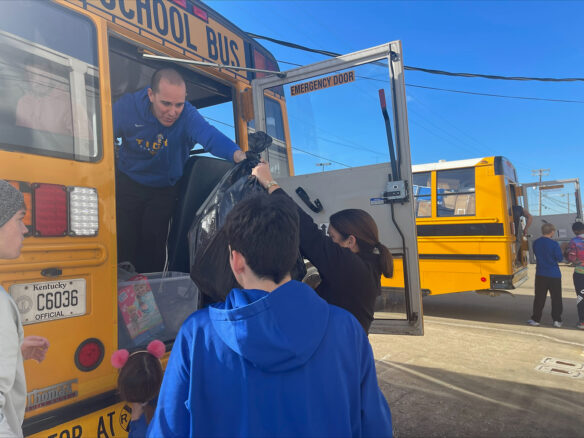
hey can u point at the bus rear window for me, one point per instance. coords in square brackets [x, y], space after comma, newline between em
[49, 103]
[456, 192]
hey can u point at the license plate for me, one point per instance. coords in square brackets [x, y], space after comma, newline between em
[49, 300]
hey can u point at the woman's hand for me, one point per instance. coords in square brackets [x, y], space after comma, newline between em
[262, 173]
[34, 347]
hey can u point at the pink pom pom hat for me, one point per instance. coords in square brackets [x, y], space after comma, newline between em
[156, 348]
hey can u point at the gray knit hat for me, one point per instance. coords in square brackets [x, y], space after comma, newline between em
[11, 200]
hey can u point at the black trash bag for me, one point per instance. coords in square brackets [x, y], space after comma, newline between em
[208, 250]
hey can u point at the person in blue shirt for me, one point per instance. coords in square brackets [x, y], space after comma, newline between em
[274, 359]
[158, 128]
[547, 276]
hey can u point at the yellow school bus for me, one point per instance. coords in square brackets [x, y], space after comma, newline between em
[468, 239]
[63, 64]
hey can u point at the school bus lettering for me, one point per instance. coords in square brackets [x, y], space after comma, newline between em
[319, 84]
[101, 426]
[75, 432]
[221, 48]
[209, 41]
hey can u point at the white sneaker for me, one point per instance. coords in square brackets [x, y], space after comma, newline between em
[557, 324]
[532, 322]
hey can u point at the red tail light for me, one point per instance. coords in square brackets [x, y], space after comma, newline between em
[89, 354]
[50, 210]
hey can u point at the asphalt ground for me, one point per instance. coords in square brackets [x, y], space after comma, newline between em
[481, 371]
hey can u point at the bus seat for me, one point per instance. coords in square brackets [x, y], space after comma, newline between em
[465, 205]
[424, 209]
[450, 201]
[200, 176]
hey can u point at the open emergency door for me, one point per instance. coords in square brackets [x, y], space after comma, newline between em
[348, 153]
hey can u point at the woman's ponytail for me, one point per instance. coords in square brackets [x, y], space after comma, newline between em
[385, 260]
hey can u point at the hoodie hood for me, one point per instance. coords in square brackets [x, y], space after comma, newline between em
[275, 331]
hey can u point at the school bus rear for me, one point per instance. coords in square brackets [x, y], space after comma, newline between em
[464, 221]
[56, 145]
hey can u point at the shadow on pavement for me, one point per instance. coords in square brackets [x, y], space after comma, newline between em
[432, 402]
[503, 309]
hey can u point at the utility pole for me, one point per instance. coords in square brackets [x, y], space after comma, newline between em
[322, 165]
[540, 173]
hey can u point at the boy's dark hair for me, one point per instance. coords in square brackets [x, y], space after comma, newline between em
[140, 378]
[264, 229]
[578, 228]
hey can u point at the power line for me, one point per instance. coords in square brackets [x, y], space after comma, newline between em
[495, 95]
[424, 70]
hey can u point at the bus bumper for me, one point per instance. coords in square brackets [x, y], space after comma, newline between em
[82, 420]
[509, 282]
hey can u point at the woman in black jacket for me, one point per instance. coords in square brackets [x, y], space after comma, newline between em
[350, 259]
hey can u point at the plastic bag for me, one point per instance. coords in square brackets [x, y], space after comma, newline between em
[209, 255]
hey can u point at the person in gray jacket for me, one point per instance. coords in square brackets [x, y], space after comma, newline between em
[14, 346]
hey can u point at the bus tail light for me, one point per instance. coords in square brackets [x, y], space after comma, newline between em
[83, 211]
[483, 279]
[50, 210]
[89, 354]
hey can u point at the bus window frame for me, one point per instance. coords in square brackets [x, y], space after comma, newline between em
[35, 48]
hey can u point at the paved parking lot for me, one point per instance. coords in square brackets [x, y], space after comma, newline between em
[480, 371]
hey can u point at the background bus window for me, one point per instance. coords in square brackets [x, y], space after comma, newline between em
[456, 192]
[422, 183]
[49, 102]
[276, 154]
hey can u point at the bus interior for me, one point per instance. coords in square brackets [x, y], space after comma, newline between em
[175, 296]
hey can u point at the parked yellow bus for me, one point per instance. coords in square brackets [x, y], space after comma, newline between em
[467, 236]
[62, 65]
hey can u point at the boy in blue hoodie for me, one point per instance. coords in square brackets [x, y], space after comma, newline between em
[547, 276]
[274, 359]
[158, 128]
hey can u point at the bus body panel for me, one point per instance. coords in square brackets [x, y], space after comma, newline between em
[469, 252]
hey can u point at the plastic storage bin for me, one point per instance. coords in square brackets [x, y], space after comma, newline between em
[154, 306]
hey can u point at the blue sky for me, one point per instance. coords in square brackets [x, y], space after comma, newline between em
[532, 39]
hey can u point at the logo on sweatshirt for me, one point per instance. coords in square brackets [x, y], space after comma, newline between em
[153, 146]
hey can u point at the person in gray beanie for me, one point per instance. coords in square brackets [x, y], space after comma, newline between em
[14, 347]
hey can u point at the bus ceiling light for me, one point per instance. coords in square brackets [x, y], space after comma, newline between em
[83, 211]
[50, 210]
[89, 354]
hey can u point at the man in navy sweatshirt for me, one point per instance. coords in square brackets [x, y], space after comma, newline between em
[547, 276]
[274, 359]
[158, 128]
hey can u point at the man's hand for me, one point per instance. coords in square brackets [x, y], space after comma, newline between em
[238, 156]
[34, 347]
